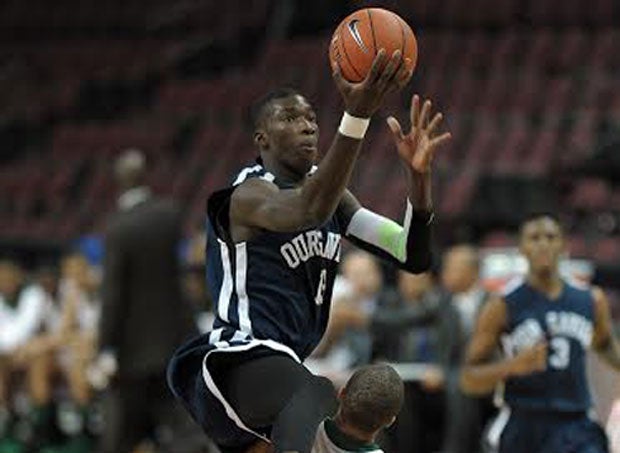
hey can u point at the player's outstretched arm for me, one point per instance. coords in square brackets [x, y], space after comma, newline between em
[479, 376]
[604, 341]
[261, 204]
[408, 245]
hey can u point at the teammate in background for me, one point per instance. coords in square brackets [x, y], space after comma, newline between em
[545, 325]
[369, 402]
[272, 254]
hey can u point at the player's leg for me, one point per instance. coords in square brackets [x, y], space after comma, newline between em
[511, 432]
[5, 415]
[81, 354]
[295, 428]
[39, 374]
[4, 373]
[577, 436]
[276, 391]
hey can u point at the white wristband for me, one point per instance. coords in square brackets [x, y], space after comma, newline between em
[353, 127]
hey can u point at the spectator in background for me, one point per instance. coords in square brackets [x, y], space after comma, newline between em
[347, 342]
[66, 346]
[194, 281]
[23, 309]
[405, 330]
[143, 317]
[77, 330]
[466, 416]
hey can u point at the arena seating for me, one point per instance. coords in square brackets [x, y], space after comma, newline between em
[528, 92]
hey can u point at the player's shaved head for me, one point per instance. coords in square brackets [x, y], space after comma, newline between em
[264, 106]
[537, 217]
[372, 398]
[130, 168]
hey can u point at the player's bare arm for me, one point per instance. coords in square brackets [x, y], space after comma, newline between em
[260, 204]
[479, 375]
[408, 244]
[604, 342]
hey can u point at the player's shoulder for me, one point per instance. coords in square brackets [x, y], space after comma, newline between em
[513, 288]
[582, 289]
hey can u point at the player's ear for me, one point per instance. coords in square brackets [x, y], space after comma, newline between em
[260, 139]
[341, 393]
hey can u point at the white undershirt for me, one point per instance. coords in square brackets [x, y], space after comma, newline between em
[132, 197]
[467, 304]
[18, 324]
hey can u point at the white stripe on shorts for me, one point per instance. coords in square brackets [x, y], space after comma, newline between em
[497, 428]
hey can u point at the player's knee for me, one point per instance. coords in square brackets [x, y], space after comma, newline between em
[324, 393]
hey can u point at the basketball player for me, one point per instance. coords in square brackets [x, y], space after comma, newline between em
[369, 402]
[272, 255]
[545, 325]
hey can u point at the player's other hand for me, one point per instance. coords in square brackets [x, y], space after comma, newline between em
[364, 98]
[417, 147]
[530, 360]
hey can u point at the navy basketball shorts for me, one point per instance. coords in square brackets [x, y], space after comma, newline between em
[193, 380]
[526, 431]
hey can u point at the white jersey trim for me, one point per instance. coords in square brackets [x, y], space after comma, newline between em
[243, 175]
[512, 285]
[494, 435]
[241, 273]
[226, 289]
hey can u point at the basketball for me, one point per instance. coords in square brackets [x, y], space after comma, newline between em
[361, 35]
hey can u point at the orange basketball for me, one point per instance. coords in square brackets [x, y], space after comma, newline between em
[359, 37]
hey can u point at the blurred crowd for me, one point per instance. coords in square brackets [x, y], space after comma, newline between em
[49, 318]
[421, 324]
[48, 340]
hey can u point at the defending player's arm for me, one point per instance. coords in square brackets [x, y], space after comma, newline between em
[479, 376]
[406, 245]
[604, 342]
[261, 204]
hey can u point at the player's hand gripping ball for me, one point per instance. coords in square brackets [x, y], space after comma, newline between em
[361, 35]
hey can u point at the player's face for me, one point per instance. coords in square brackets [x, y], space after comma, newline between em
[542, 243]
[292, 134]
[10, 279]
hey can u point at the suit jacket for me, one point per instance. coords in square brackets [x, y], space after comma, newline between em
[466, 415]
[144, 317]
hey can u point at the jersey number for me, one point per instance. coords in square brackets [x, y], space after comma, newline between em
[318, 299]
[560, 356]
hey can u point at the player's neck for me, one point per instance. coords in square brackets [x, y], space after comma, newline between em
[282, 173]
[351, 431]
[548, 283]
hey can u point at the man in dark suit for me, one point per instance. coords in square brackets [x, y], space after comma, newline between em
[143, 314]
[465, 416]
[402, 332]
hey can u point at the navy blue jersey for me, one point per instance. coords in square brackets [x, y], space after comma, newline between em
[276, 286]
[567, 324]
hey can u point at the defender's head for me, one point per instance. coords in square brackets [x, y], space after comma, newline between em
[286, 131]
[541, 241]
[372, 398]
